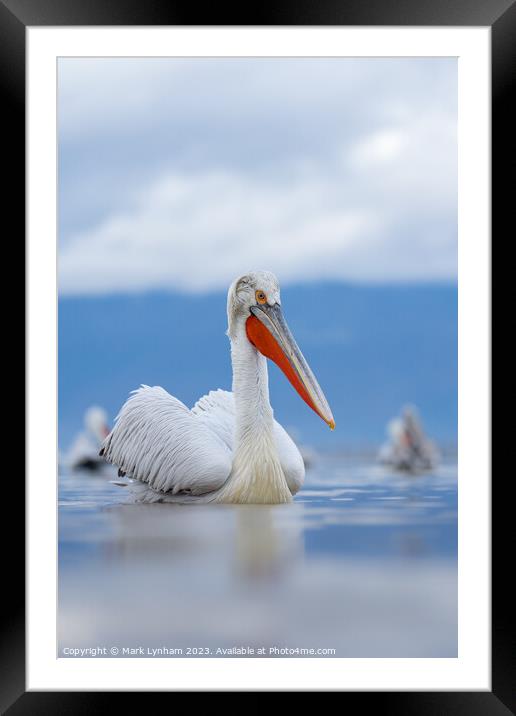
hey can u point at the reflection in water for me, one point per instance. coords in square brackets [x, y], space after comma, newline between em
[363, 562]
[266, 546]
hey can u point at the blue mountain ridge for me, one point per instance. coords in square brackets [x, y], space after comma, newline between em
[372, 349]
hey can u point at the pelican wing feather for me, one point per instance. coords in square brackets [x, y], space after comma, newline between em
[159, 441]
[216, 410]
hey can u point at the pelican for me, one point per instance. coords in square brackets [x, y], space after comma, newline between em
[408, 450]
[84, 452]
[228, 448]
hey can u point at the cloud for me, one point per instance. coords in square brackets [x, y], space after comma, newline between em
[182, 174]
[383, 146]
[198, 232]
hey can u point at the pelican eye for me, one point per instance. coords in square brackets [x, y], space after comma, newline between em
[260, 297]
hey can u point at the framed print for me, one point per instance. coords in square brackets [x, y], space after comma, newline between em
[258, 353]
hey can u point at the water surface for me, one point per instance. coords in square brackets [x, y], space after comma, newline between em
[362, 564]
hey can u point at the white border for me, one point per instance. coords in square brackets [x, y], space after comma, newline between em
[471, 670]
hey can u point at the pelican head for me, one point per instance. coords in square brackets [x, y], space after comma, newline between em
[254, 305]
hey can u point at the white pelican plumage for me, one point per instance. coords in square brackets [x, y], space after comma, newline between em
[228, 447]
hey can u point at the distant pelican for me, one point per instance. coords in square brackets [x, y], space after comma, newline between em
[408, 449]
[228, 448]
[84, 453]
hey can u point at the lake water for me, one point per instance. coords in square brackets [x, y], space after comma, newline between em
[362, 564]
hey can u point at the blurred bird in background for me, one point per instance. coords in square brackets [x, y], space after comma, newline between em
[408, 449]
[84, 452]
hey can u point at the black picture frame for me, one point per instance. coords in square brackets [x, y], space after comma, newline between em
[500, 16]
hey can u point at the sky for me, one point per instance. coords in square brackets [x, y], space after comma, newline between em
[180, 174]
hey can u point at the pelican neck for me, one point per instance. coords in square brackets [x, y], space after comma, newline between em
[253, 411]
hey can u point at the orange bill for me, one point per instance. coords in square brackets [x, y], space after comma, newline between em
[268, 332]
